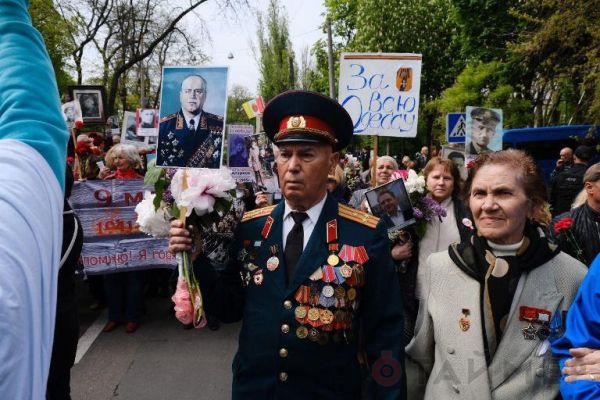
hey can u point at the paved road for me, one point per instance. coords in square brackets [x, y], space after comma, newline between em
[161, 361]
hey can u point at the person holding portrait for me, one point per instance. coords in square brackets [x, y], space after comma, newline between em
[494, 303]
[190, 137]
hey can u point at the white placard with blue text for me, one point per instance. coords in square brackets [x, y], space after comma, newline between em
[380, 91]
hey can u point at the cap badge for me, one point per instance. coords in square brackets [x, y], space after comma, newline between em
[296, 122]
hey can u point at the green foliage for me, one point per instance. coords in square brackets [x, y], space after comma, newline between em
[235, 112]
[559, 46]
[412, 26]
[53, 29]
[277, 66]
[484, 84]
[485, 28]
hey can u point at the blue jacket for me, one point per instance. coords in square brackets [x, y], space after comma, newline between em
[583, 330]
[273, 360]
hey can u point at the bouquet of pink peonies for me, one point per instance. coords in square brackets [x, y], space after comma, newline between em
[201, 196]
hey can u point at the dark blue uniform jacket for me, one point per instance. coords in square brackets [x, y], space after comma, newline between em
[275, 359]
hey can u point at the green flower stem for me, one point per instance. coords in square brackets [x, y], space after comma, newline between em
[193, 287]
[574, 245]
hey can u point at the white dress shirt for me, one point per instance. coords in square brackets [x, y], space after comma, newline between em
[308, 225]
[188, 117]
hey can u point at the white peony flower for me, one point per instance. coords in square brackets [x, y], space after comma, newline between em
[414, 182]
[154, 223]
[204, 185]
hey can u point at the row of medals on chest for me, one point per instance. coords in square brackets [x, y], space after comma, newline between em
[342, 299]
[316, 322]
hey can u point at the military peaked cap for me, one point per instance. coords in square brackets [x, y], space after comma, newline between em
[302, 116]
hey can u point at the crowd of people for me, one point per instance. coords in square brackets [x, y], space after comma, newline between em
[496, 299]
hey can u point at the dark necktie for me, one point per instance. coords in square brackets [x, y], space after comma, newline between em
[192, 126]
[294, 244]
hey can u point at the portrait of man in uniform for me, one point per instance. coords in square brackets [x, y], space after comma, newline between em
[484, 130]
[189, 135]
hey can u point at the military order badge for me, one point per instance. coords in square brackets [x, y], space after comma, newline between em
[193, 102]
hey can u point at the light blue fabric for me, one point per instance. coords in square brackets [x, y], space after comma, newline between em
[29, 100]
[33, 140]
[583, 330]
[31, 226]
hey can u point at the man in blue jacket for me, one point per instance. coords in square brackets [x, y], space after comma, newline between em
[312, 279]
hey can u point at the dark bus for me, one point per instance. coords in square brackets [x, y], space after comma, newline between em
[544, 143]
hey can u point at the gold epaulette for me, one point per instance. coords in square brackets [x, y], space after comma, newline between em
[358, 216]
[259, 212]
[168, 117]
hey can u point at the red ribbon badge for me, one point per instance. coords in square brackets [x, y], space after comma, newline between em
[328, 273]
[533, 314]
[361, 255]
[347, 253]
[267, 228]
[332, 235]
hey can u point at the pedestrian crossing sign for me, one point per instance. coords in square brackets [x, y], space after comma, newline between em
[456, 127]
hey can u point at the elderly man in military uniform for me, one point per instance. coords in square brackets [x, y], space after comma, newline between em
[190, 137]
[483, 128]
[312, 279]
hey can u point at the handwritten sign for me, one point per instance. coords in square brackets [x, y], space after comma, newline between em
[381, 92]
[112, 239]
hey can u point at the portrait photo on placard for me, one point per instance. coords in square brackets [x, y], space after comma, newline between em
[483, 131]
[146, 120]
[261, 159]
[71, 112]
[458, 157]
[391, 203]
[193, 105]
[112, 124]
[91, 101]
[128, 130]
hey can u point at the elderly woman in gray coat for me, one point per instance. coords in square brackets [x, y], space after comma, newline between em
[493, 304]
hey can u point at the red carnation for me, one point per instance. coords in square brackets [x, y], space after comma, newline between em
[563, 224]
[471, 164]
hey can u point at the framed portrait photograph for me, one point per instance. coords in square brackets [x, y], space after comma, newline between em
[71, 112]
[91, 101]
[458, 157]
[112, 123]
[128, 130]
[146, 120]
[193, 105]
[483, 131]
[391, 203]
[261, 160]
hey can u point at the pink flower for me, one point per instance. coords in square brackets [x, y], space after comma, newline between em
[400, 173]
[184, 311]
[203, 187]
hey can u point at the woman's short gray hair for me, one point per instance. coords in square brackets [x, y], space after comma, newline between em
[389, 159]
[129, 153]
